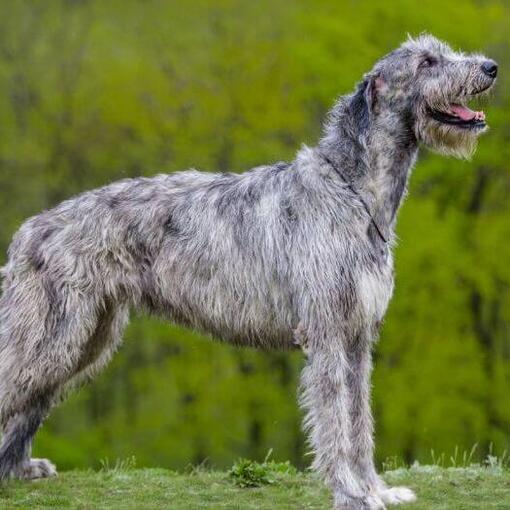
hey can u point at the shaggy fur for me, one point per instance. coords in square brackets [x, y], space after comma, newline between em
[289, 253]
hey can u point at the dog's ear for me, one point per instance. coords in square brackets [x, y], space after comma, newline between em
[364, 101]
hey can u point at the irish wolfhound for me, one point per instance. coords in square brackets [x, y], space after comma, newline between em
[289, 253]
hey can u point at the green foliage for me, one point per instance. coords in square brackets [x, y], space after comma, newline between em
[95, 91]
[249, 473]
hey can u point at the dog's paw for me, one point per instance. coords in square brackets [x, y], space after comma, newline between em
[397, 495]
[370, 502]
[374, 502]
[38, 468]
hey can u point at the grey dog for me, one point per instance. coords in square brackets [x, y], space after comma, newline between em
[286, 254]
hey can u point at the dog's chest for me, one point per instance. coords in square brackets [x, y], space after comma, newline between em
[375, 287]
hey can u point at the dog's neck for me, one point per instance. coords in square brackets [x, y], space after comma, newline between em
[374, 155]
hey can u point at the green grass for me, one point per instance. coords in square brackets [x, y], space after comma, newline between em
[124, 487]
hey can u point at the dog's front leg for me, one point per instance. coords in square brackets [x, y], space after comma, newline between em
[359, 359]
[326, 400]
[359, 355]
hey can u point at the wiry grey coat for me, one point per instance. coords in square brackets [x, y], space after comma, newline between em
[289, 253]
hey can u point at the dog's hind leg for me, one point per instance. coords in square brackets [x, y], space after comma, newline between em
[16, 445]
[29, 385]
[48, 337]
[29, 390]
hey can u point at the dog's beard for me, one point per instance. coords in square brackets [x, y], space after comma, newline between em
[447, 140]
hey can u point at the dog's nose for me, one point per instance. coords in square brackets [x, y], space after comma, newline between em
[490, 68]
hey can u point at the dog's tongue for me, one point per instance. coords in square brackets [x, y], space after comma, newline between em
[465, 113]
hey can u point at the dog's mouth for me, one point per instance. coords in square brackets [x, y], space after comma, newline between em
[460, 116]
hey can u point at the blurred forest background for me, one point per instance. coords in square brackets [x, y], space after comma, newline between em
[93, 91]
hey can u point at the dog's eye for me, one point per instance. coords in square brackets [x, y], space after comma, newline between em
[428, 62]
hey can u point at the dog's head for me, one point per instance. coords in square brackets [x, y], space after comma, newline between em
[426, 86]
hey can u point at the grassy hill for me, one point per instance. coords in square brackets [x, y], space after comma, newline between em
[129, 489]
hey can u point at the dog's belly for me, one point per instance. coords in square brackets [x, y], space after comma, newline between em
[242, 315]
[252, 326]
